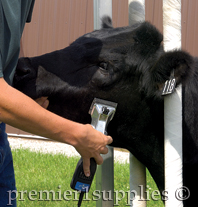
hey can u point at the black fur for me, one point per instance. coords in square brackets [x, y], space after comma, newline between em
[126, 65]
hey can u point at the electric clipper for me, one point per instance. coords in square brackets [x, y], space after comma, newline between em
[102, 113]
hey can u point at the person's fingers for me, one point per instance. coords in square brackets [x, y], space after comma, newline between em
[86, 166]
[45, 104]
[109, 140]
[94, 145]
[43, 101]
[99, 159]
[40, 100]
[104, 150]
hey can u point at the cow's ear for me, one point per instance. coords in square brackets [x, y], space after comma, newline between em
[176, 64]
[148, 36]
[106, 22]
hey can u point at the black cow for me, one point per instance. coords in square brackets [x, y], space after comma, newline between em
[128, 66]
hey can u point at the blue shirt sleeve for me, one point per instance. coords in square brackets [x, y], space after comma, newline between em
[13, 16]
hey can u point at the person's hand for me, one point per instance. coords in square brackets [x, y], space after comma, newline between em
[43, 101]
[92, 145]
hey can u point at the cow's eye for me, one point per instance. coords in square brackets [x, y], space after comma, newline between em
[103, 65]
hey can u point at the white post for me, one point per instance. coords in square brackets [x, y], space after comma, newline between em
[105, 172]
[173, 108]
[136, 11]
[137, 169]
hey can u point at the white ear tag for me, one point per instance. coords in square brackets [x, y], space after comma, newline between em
[169, 86]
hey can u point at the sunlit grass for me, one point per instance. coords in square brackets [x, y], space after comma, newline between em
[44, 180]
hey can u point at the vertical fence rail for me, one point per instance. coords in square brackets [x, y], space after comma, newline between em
[173, 108]
[105, 172]
[137, 169]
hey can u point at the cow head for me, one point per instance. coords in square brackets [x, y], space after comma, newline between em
[125, 65]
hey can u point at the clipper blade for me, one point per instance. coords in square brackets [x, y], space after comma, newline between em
[102, 112]
[102, 102]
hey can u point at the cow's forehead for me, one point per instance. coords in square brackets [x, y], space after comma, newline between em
[106, 33]
[144, 33]
[110, 31]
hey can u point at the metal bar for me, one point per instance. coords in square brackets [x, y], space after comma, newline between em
[26, 136]
[105, 180]
[137, 169]
[137, 183]
[105, 172]
[101, 8]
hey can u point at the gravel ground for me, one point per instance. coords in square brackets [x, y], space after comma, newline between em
[56, 147]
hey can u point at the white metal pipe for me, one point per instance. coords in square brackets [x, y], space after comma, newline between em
[172, 24]
[173, 107]
[136, 11]
[137, 169]
[30, 136]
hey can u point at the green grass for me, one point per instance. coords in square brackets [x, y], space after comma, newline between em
[38, 174]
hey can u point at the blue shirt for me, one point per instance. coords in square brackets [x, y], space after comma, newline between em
[13, 16]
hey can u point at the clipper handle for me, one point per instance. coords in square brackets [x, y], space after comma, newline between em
[80, 182]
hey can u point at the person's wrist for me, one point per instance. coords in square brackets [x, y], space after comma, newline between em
[78, 135]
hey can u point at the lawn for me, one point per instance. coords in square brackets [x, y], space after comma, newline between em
[44, 180]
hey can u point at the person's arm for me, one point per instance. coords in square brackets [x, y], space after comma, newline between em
[20, 111]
